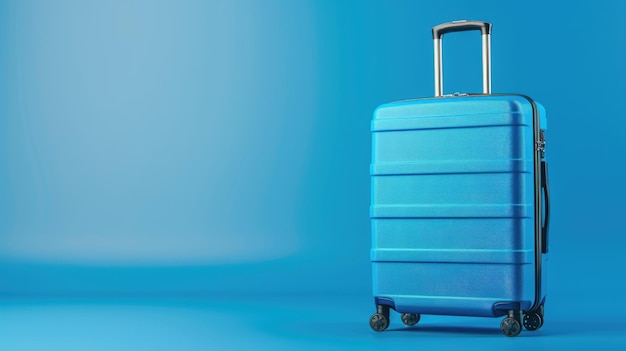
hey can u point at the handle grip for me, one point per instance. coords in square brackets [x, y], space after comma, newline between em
[546, 195]
[459, 26]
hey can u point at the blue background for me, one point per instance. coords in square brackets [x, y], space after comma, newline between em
[161, 149]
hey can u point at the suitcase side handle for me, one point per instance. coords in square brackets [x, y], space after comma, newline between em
[461, 26]
[546, 195]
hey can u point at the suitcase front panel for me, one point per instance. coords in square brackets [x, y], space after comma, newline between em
[453, 204]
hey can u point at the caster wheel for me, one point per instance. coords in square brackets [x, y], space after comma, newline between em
[532, 321]
[510, 326]
[379, 322]
[410, 319]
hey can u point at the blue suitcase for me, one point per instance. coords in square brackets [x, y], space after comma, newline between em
[460, 203]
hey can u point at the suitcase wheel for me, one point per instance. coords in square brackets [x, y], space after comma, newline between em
[510, 326]
[379, 322]
[533, 320]
[410, 319]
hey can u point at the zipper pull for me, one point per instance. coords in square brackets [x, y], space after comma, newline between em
[541, 143]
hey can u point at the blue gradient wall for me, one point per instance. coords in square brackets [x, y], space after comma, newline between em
[150, 133]
[160, 146]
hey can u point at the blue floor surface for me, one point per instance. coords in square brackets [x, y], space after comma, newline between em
[278, 323]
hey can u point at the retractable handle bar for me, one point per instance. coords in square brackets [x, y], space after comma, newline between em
[461, 26]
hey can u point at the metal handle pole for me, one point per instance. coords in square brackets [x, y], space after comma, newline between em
[486, 63]
[438, 70]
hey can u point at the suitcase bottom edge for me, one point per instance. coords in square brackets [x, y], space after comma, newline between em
[452, 306]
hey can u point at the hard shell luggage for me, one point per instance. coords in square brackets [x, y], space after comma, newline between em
[460, 203]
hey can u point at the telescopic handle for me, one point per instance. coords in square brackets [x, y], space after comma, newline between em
[461, 26]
